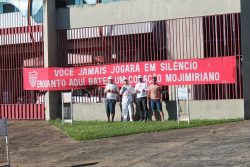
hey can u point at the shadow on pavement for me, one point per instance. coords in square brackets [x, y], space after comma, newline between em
[88, 164]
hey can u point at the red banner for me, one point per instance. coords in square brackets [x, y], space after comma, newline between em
[168, 72]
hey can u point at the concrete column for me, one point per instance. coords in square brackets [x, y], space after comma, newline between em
[62, 49]
[245, 45]
[52, 98]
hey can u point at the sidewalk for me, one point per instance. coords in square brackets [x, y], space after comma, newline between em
[35, 143]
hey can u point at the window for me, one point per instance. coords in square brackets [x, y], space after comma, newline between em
[90, 2]
[1, 8]
[76, 2]
[8, 8]
[108, 1]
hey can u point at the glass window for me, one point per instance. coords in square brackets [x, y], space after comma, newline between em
[90, 2]
[1, 8]
[108, 1]
[79, 2]
[8, 8]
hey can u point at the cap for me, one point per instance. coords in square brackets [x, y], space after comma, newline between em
[154, 78]
[110, 77]
[139, 76]
[125, 79]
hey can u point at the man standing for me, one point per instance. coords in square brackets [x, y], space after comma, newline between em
[127, 92]
[155, 98]
[111, 91]
[141, 89]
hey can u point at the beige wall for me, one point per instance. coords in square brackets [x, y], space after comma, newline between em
[207, 109]
[133, 11]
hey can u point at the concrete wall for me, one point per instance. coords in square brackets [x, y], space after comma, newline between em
[52, 98]
[221, 109]
[133, 11]
[93, 111]
[245, 36]
[207, 109]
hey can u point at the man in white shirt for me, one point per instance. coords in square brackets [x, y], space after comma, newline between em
[141, 89]
[111, 91]
[127, 92]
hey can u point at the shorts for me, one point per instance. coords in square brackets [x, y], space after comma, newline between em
[156, 104]
[110, 106]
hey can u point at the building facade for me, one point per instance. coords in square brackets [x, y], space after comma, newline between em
[95, 33]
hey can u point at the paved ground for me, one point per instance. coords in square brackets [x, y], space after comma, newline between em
[38, 144]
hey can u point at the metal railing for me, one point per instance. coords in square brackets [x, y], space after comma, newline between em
[185, 38]
[21, 46]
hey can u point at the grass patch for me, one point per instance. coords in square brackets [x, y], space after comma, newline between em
[89, 130]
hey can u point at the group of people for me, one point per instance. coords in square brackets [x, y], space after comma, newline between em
[147, 97]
